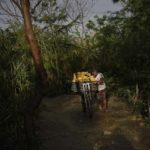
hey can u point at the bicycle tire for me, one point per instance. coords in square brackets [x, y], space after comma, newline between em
[88, 103]
[83, 103]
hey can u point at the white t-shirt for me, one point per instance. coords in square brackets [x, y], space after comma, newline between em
[98, 78]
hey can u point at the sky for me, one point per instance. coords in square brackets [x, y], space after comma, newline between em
[100, 8]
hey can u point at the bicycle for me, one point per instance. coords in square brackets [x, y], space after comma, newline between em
[88, 92]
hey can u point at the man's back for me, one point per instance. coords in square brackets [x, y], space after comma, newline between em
[100, 80]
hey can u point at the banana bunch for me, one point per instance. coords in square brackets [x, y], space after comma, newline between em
[92, 79]
[83, 77]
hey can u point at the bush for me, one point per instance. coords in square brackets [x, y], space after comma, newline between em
[15, 86]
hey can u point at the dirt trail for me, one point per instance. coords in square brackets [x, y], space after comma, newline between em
[62, 126]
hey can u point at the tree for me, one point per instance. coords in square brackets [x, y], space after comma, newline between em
[36, 54]
[26, 11]
[41, 75]
[122, 40]
[39, 68]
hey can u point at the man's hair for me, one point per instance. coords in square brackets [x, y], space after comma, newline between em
[94, 70]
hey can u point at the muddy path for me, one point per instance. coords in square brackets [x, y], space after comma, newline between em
[62, 126]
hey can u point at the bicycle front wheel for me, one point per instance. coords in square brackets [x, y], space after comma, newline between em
[88, 104]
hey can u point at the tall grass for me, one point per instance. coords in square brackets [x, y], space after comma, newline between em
[15, 84]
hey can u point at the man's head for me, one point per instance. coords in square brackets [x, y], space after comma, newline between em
[94, 73]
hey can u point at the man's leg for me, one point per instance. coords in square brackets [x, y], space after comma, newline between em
[102, 100]
[105, 103]
[99, 98]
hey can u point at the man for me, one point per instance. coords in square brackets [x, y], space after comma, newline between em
[102, 101]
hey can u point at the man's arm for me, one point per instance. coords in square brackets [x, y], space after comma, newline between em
[100, 78]
[101, 81]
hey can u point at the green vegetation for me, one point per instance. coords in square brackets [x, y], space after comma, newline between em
[123, 42]
[117, 44]
[16, 81]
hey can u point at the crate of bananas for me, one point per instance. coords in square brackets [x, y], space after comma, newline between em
[80, 78]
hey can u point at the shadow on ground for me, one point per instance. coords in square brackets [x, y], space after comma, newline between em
[116, 142]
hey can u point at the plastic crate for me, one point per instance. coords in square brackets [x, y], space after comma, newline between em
[83, 86]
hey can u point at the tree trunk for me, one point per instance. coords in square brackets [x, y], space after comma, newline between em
[35, 50]
[41, 75]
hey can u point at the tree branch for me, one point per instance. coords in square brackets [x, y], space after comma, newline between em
[17, 4]
[36, 5]
[7, 10]
[69, 24]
